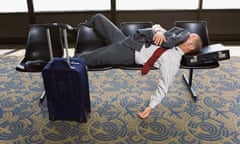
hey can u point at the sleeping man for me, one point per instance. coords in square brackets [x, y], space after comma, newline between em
[138, 48]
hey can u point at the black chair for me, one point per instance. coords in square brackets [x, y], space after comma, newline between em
[37, 53]
[130, 28]
[88, 40]
[199, 27]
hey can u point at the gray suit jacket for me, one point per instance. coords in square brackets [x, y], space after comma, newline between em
[174, 37]
[136, 41]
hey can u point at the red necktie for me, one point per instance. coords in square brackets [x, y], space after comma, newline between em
[148, 65]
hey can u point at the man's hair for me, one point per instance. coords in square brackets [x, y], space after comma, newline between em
[197, 43]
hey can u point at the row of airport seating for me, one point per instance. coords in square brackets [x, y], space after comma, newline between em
[37, 53]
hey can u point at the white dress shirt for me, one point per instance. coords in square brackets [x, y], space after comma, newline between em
[168, 65]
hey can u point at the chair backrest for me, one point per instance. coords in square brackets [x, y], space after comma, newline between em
[37, 45]
[87, 39]
[199, 27]
[129, 28]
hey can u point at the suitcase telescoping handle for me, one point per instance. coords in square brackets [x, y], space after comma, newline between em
[66, 44]
[49, 43]
[64, 28]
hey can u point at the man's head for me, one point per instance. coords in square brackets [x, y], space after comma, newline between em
[192, 45]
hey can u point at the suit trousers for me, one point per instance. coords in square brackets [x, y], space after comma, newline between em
[115, 52]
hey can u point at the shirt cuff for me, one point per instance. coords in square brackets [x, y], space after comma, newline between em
[158, 27]
[154, 101]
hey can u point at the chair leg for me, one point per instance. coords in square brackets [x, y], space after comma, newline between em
[42, 97]
[188, 82]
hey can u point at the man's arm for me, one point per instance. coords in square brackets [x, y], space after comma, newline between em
[169, 66]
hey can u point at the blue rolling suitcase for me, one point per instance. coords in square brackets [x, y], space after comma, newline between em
[67, 88]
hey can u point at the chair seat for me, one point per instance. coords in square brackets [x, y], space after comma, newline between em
[99, 68]
[134, 67]
[31, 65]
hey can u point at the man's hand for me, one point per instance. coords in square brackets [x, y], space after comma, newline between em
[158, 38]
[145, 113]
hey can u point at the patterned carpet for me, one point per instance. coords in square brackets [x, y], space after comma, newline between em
[116, 96]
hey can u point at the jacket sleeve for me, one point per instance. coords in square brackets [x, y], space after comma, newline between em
[175, 36]
[145, 36]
